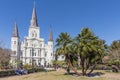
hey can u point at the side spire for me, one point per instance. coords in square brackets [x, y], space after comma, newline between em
[15, 32]
[50, 35]
[34, 22]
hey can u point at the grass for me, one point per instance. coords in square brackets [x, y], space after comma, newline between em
[60, 75]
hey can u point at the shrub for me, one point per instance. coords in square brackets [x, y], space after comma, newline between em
[27, 66]
[12, 72]
[103, 67]
[32, 70]
[7, 73]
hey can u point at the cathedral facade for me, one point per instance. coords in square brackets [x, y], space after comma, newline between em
[33, 50]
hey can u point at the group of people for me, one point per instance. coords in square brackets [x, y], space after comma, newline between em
[21, 71]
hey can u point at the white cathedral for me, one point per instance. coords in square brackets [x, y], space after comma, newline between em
[32, 50]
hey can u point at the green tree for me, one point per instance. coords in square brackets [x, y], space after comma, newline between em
[90, 49]
[115, 50]
[59, 63]
[64, 42]
[114, 54]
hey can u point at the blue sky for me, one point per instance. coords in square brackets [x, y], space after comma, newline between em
[102, 16]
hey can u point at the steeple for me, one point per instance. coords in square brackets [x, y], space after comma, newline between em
[34, 22]
[50, 35]
[15, 32]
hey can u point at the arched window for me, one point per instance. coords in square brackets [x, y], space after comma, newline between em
[32, 34]
[21, 53]
[14, 42]
[39, 52]
[30, 52]
[35, 54]
[35, 35]
[51, 54]
[45, 54]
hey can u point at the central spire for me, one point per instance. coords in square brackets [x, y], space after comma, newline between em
[34, 22]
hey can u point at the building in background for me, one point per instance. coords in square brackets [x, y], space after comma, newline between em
[33, 49]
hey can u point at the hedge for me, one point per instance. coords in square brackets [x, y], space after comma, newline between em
[7, 73]
[12, 72]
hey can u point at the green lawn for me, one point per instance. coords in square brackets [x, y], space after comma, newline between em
[60, 75]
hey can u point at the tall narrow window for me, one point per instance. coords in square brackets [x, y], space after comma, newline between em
[35, 35]
[21, 53]
[14, 42]
[32, 34]
[35, 54]
[38, 52]
[30, 53]
[51, 54]
[45, 54]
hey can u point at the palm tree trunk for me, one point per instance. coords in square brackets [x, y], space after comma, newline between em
[83, 66]
[75, 70]
[87, 67]
[92, 69]
[83, 70]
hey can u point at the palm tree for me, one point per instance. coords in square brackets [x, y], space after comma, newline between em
[90, 49]
[64, 48]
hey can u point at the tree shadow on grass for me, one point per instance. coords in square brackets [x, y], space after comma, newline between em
[95, 74]
[71, 73]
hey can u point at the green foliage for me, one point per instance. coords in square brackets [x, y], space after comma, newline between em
[27, 66]
[63, 40]
[115, 44]
[113, 62]
[32, 70]
[59, 63]
[114, 54]
[91, 49]
[12, 72]
[86, 45]
[65, 47]
[7, 73]
[63, 43]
